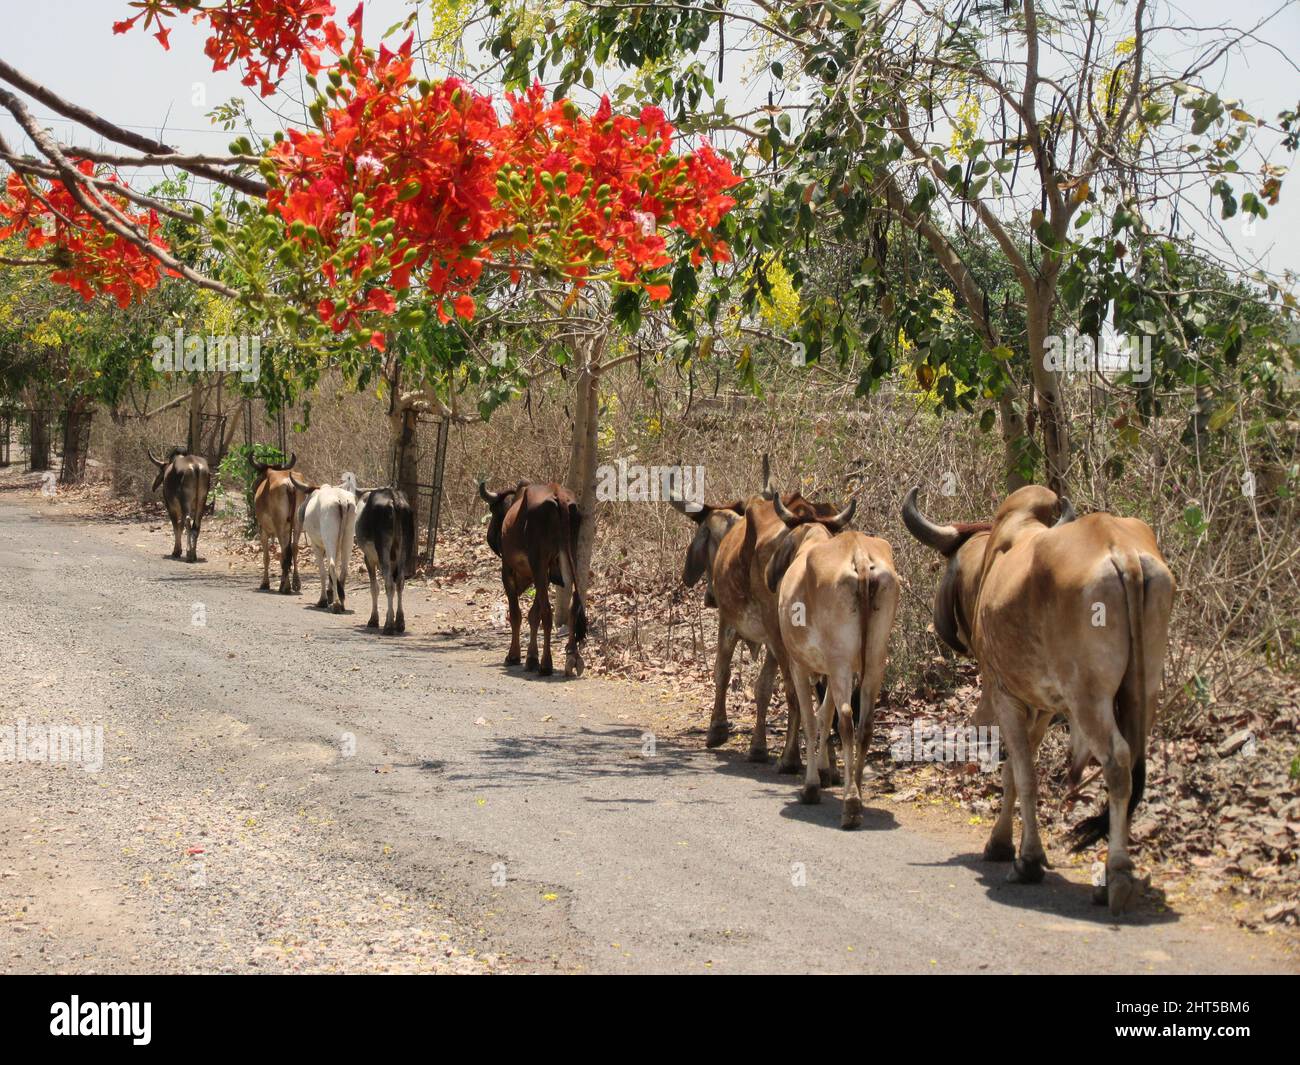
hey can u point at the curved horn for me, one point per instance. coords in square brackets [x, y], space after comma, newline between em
[302, 487]
[488, 497]
[943, 538]
[767, 492]
[782, 511]
[157, 462]
[1067, 513]
[841, 519]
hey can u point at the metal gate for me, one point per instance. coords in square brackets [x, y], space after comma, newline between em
[277, 422]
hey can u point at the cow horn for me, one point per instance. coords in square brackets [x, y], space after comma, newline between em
[943, 538]
[767, 492]
[488, 497]
[841, 519]
[782, 511]
[1067, 513]
[157, 462]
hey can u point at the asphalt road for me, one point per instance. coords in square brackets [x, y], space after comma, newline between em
[527, 809]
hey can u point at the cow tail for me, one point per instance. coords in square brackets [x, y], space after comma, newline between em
[343, 550]
[868, 585]
[569, 570]
[1131, 709]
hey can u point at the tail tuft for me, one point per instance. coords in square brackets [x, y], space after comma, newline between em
[579, 617]
[1096, 828]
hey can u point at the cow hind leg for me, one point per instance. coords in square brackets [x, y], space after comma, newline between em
[840, 691]
[286, 565]
[1014, 720]
[390, 624]
[828, 766]
[789, 763]
[719, 727]
[176, 536]
[1110, 749]
[265, 586]
[534, 618]
[400, 620]
[373, 623]
[762, 700]
[802, 685]
[324, 599]
[542, 600]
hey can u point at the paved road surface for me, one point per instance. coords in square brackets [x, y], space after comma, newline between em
[522, 807]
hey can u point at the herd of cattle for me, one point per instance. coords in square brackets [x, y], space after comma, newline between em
[1064, 615]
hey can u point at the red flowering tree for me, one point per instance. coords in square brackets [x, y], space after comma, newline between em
[389, 209]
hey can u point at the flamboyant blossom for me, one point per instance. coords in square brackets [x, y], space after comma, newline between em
[89, 258]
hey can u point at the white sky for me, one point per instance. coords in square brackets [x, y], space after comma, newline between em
[69, 46]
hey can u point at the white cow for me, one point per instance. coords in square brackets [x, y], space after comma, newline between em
[329, 519]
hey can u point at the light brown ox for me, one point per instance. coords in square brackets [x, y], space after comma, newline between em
[836, 598]
[1070, 618]
[275, 507]
[732, 548]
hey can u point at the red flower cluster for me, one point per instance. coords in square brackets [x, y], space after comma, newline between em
[264, 35]
[403, 178]
[90, 258]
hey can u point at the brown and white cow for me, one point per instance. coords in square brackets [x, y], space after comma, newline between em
[184, 479]
[732, 548]
[837, 594]
[275, 506]
[1062, 616]
[534, 530]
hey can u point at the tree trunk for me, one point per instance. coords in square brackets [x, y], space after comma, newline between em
[38, 438]
[403, 422]
[583, 460]
[1014, 441]
[76, 440]
[1047, 389]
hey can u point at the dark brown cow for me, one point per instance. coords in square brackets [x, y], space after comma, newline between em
[184, 479]
[733, 547]
[534, 531]
[275, 506]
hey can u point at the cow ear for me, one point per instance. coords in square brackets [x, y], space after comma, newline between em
[697, 556]
[946, 606]
[782, 558]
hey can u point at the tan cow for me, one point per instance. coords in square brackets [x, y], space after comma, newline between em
[275, 506]
[837, 594]
[1062, 616]
[732, 547]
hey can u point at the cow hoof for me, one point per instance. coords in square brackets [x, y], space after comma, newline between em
[513, 660]
[389, 630]
[717, 735]
[337, 608]
[532, 663]
[997, 851]
[1100, 896]
[1025, 872]
[810, 795]
[545, 669]
[265, 586]
[851, 817]
[401, 623]
[373, 623]
[296, 586]
[829, 777]
[573, 665]
[191, 558]
[321, 604]
[1120, 889]
[757, 754]
[789, 769]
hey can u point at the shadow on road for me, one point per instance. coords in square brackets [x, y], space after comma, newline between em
[1058, 895]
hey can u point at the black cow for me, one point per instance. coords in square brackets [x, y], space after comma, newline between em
[385, 533]
[184, 479]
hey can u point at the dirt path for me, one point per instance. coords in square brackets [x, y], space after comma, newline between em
[283, 790]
